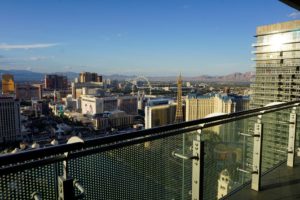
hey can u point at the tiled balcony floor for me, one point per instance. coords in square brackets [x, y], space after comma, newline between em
[282, 183]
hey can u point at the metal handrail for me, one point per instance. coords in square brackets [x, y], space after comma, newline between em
[55, 154]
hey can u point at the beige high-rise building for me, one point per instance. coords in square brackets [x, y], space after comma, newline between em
[128, 104]
[85, 77]
[29, 91]
[8, 84]
[198, 107]
[159, 115]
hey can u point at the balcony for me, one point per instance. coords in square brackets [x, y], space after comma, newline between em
[212, 158]
[266, 58]
[259, 44]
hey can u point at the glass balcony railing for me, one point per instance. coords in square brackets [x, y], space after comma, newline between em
[274, 65]
[290, 41]
[203, 159]
[271, 50]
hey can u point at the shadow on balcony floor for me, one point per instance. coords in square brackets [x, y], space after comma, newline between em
[283, 183]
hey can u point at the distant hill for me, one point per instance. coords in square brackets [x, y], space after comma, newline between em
[235, 77]
[25, 75]
[71, 75]
[118, 77]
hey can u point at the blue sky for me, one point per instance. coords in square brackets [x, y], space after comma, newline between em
[134, 37]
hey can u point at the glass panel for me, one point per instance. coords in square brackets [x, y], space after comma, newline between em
[142, 171]
[227, 156]
[149, 170]
[297, 145]
[275, 138]
[21, 185]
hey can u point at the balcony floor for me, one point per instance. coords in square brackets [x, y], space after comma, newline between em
[281, 183]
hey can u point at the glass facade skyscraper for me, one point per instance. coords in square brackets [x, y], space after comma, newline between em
[277, 59]
[277, 51]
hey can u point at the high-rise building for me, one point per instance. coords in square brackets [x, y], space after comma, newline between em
[87, 88]
[29, 91]
[56, 82]
[10, 126]
[159, 115]
[85, 77]
[92, 105]
[110, 104]
[277, 51]
[8, 84]
[198, 107]
[128, 104]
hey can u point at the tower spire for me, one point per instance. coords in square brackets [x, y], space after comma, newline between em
[179, 113]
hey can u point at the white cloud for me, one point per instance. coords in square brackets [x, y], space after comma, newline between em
[294, 15]
[27, 46]
[39, 58]
[25, 59]
[68, 67]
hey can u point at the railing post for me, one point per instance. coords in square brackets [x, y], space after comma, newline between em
[292, 138]
[66, 183]
[65, 188]
[198, 168]
[257, 154]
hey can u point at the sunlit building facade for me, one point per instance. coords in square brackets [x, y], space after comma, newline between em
[277, 51]
[29, 91]
[91, 105]
[8, 84]
[198, 107]
[85, 77]
[277, 59]
[159, 115]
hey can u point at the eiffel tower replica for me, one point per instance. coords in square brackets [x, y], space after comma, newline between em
[179, 113]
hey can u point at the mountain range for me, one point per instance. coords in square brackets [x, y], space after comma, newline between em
[25, 75]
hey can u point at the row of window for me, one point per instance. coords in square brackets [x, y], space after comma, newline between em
[283, 37]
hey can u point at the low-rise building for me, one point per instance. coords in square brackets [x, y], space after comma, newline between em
[114, 119]
[29, 91]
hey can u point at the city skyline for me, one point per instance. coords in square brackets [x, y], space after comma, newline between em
[133, 37]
